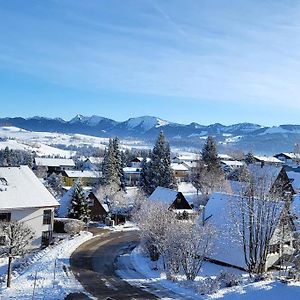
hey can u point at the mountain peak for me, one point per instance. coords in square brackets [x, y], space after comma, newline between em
[145, 123]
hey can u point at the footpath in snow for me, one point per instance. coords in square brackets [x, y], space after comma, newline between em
[48, 276]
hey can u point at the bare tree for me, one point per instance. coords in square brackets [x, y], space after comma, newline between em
[257, 212]
[196, 245]
[207, 180]
[185, 246]
[116, 199]
[153, 219]
[181, 244]
[16, 240]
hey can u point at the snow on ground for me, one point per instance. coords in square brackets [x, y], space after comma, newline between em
[39, 148]
[128, 226]
[263, 290]
[42, 269]
[53, 138]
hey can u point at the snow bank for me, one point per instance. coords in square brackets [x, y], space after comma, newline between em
[248, 290]
[41, 270]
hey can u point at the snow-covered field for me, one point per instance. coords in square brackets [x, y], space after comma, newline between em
[41, 271]
[39, 142]
[148, 275]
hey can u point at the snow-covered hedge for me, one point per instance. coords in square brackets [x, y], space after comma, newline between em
[208, 286]
[74, 226]
[66, 225]
[229, 279]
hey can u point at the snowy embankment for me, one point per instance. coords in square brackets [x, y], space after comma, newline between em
[47, 274]
[247, 290]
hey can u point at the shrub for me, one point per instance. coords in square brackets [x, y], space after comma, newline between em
[208, 286]
[73, 226]
[229, 279]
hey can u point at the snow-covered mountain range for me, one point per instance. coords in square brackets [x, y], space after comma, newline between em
[245, 136]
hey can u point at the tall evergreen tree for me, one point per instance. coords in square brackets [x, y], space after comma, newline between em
[144, 177]
[159, 172]
[210, 155]
[108, 164]
[79, 208]
[118, 164]
[112, 167]
[7, 162]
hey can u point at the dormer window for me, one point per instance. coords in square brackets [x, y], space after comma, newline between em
[3, 184]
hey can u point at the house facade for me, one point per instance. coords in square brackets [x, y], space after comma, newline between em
[99, 210]
[24, 198]
[181, 171]
[290, 159]
[53, 165]
[87, 178]
[175, 201]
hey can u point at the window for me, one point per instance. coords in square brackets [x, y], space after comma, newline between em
[5, 217]
[91, 202]
[273, 249]
[2, 240]
[46, 238]
[47, 217]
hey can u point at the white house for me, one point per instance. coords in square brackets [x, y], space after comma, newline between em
[93, 163]
[190, 157]
[290, 159]
[24, 198]
[268, 160]
[229, 165]
[54, 165]
[180, 170]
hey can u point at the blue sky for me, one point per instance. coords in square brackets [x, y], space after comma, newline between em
[206, 61]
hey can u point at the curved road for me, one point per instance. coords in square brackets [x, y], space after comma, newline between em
[94, 265]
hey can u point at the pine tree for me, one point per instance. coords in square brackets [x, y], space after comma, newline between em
[144, 177]
[210, 155]
[159, 171]
[249, 159]
[79, 208]
[7, 162]
[118, 164]
[108, 165]
[112, 167]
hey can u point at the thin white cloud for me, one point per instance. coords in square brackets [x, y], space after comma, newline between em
[229, 53]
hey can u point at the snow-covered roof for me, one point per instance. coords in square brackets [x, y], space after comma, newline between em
[132, 170]
[268, 159]
[295, 176]
[95, 160]
[232, 163]
[179, 167]
[296, 211]
[228, 245]
[190, 164]
[224, 156]
[54, 162]
[20, 188]
[236, 187]
[164, 195]
[82, 174]
[290, 155]
[269, 173]
[187, 157]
